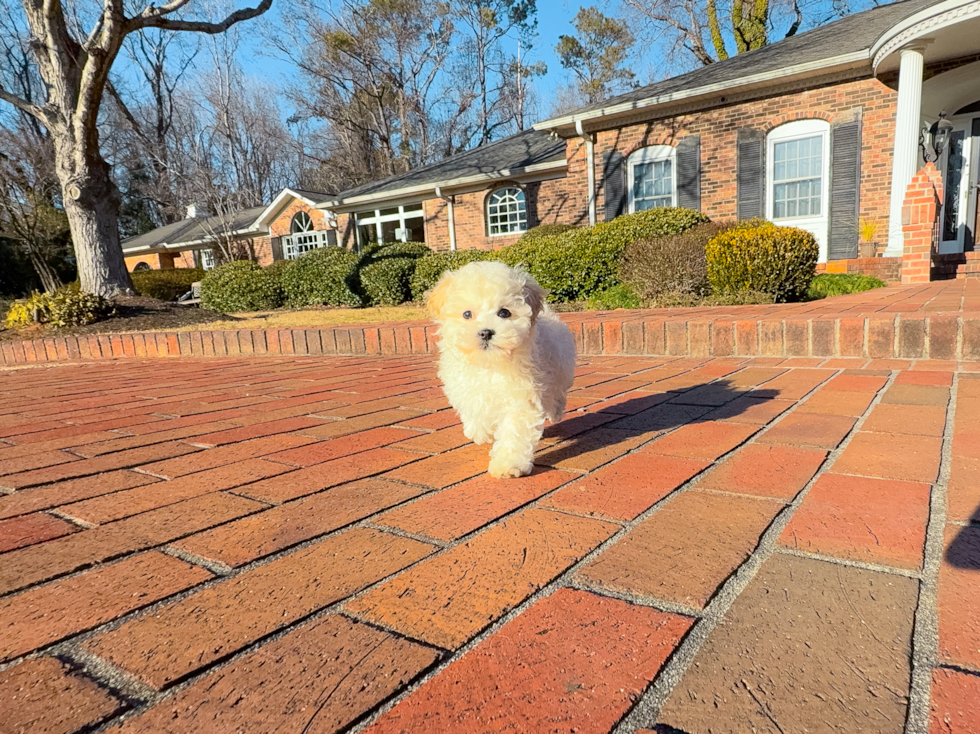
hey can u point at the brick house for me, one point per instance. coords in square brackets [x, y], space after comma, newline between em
[823, 131]
[291, 225]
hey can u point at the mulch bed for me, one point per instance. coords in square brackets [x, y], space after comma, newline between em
[133, 313]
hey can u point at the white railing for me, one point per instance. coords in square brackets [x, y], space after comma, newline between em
[294, 245]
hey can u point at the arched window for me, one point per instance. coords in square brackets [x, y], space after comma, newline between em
[301, 223]
[141, 266]
[506, 211]
[651, 178]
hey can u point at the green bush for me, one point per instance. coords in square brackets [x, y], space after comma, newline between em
[673, 263]
[165, 285]
[388, 282]
[689, 300]
[401, 249]
[240, 285]
[275, 273]
[780, 261]
[581, 262]
[429, 269]
[840, 284]
[327, 276]
[619, 296]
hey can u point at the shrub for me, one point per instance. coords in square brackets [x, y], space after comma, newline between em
[402, 249]
[388, 281]
[327, 276]
[544, 230]
[69, 306]
[780, 261]
[240, 285]
[619, 296]
[583, 261]
[840, 284]
[165, 285]
[429, 269]
[689, 300]
[275, 273]
[674, 263]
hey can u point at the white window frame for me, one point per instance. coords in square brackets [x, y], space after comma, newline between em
[817, 224]
[207, 259]
[518, 227]
[651, 154]
[369, 217]
[303, 238]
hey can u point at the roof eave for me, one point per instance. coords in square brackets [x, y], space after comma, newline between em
[422, 190]
[567, 123]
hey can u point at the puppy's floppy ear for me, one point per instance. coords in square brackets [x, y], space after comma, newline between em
[534, 295]
[435, 299]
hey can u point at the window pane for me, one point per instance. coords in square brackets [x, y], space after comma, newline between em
[797, 178]
[506, 211]
[652, 185]
[954, 178]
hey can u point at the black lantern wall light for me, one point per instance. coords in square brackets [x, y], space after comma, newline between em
[933, 139]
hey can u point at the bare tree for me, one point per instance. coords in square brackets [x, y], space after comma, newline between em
[75, 67]
[598, 54]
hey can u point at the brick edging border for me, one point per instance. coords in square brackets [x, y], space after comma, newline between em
[899, 336]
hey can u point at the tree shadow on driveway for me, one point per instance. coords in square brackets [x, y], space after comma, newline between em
[645, 416]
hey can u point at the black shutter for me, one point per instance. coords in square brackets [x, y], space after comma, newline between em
[751, 177]
[276, 248]
[689, 172]
[614, 183]
[845, 189]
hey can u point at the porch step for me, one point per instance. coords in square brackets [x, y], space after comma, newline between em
[956, 265]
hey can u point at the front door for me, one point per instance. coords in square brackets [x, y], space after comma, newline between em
[957, 223]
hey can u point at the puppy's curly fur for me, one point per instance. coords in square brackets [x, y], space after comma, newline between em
[506, 362]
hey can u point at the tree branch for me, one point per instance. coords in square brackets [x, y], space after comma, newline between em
[22, 104]
[156, 19]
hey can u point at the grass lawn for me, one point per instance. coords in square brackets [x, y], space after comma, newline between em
[316, 317]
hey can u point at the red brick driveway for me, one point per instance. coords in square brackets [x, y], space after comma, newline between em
[309, 545]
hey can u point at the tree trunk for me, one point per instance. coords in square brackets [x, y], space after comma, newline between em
[91, 202]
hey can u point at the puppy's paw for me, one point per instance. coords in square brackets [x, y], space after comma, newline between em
[500, 469]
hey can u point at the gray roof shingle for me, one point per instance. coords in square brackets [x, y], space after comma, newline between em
[517, 151]
[193, 230]
[852, 34]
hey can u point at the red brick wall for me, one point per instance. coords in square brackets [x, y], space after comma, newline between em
[888, 269]
[548, 202]
[718, 130]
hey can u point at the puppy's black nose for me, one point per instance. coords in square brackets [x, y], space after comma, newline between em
[485, 334]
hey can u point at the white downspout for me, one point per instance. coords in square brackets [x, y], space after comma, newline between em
[590, 164]
[452, 217]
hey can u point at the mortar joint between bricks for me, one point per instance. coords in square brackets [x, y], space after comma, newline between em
[647, 709]
[925, 632]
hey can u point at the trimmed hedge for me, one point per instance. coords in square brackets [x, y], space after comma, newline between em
[674, 263]
[240, 285]
[619, 296]
[388, 281]
[429, 269]
[165, 285]
[581, 262]
[781, 261]
[327, 276]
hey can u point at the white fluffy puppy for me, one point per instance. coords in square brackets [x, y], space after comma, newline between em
[506, 362]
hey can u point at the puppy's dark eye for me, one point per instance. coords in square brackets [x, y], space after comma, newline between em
[503, 313]
[467, 314]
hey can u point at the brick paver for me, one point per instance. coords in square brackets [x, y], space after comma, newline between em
[290, 544]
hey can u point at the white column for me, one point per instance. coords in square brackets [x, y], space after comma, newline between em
[905, 155]
[590, 165]
[452, 224]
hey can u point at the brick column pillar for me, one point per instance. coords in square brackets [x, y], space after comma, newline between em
[920, 217]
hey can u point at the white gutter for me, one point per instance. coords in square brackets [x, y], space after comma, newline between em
[451, 183]
[765, 78]
[452, 217]
[590, 163]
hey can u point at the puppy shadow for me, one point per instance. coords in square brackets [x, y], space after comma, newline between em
[648, 415]
[964, 550]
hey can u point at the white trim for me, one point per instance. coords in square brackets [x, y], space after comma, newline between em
[651, 154]
[926, 21]
[275, 208]
[856, 58]
[817, 224]
[486, 211]
[413, 191]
